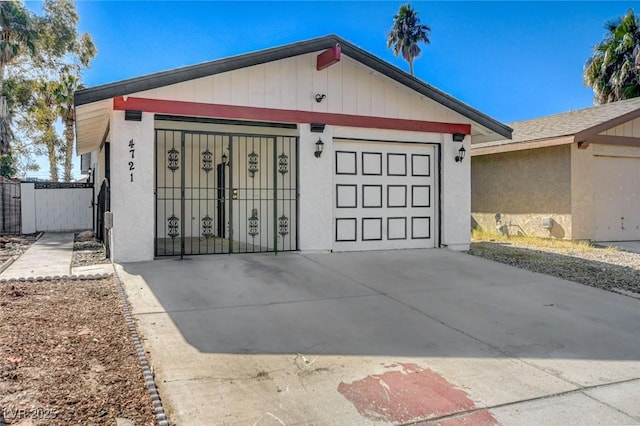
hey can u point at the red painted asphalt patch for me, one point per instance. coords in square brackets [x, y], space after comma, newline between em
[411, 394]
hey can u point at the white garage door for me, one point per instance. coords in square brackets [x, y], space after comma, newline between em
[384, 196]
[617, 198]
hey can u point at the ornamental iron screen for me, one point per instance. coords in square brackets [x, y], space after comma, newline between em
[225, 193]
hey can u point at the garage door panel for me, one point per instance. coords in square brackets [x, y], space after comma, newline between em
[616, 198]
[384, 195]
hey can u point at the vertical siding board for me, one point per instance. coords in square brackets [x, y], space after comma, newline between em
[240, 87]
[257, 88]
[273, 85]
[404, 105]
[289, 83]
[304, 65]
[363, 91]
[349, 90]
[390, 99]
[222, 85]
[320, 86]
[377, 96]
[334, 90]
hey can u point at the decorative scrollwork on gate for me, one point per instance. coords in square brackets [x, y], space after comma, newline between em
[253, 223]
[207, 161]
[253, 163]
[283, 163]
[283, 225]
[207, 226]
[173, 226]
[173, 159]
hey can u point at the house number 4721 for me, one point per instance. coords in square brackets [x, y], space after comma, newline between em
[132, 151]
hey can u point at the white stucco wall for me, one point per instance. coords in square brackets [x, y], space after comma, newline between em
[132, 203]
[456, 194]
[315, 189]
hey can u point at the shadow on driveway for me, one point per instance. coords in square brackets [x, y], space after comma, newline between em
[413, 303]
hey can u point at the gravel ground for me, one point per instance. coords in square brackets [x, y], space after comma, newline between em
[604, 268]
[15, 245]
[88, 252]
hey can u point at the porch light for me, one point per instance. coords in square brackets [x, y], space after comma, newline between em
[319, 148]
[224, 158]
[460, 155]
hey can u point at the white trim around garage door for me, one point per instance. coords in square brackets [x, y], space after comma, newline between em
[385, 195]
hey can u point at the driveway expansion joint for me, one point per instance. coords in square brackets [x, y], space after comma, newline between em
[580, 390]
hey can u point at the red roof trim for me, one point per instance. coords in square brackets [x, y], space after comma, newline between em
[162, 106]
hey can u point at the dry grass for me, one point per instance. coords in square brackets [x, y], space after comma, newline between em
[535, 242]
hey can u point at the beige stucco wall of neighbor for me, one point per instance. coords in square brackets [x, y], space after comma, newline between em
[132, 199]
[523, 187]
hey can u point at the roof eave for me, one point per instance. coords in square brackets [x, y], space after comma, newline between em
[165, 78]
[507, 146]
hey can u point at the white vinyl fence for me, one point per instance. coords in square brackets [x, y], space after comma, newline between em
[56, 207]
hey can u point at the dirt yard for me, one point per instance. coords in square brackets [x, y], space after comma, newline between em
[66, 356]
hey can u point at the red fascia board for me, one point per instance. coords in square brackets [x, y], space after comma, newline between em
[328, 58]
[161, 106]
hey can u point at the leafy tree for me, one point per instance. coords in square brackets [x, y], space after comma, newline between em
[8, 165]
[613, 69]
[406, 34]
[17, 36]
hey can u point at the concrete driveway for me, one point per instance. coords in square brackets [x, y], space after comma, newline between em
[396, 337]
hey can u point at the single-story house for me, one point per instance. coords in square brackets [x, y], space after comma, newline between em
[574, 175]
[316, 145]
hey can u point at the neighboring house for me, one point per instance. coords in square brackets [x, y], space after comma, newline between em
[317, 145]
[574, 175]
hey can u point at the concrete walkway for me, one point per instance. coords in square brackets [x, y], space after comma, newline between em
[49, 256]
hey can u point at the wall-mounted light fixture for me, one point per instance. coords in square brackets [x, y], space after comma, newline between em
[460, 155]
[225, 159]
[458, 137]
[319, 148]
[320, 97]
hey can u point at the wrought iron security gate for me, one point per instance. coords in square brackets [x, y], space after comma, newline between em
[225, 193]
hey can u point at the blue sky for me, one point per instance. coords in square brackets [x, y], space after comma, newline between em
[511, 60]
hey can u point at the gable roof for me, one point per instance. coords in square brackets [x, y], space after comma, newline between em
[579, 124]
[165, 78]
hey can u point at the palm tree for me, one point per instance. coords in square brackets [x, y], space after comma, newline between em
[69, 83]
[613, 69]
[16, 35]
[44, 111]
[406, 33]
